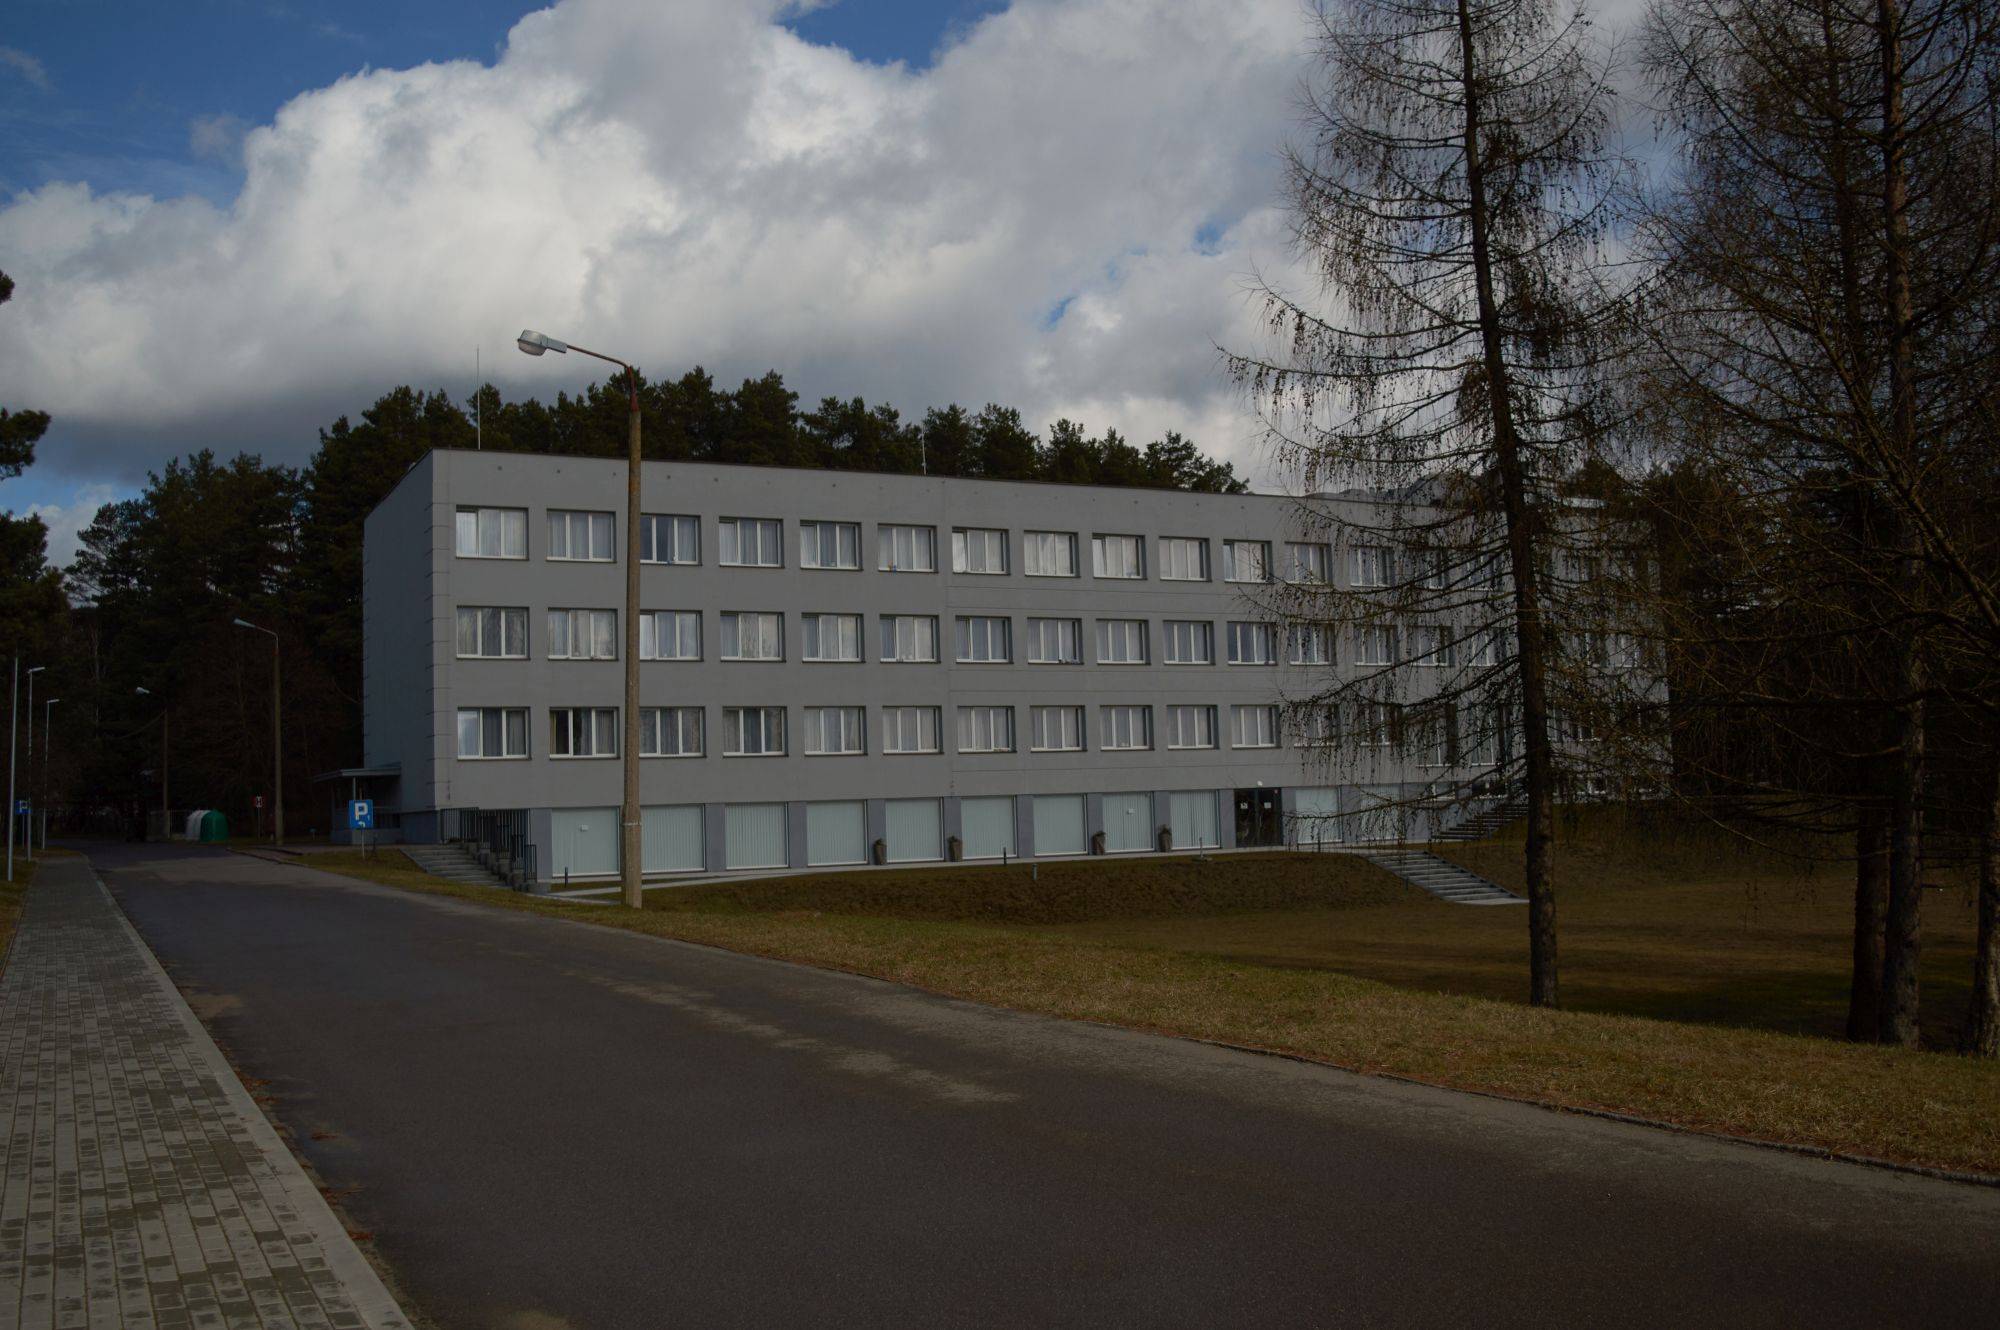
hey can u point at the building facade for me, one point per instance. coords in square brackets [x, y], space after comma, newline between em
[844, 668]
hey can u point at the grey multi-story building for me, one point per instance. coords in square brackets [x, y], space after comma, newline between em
[843, 668]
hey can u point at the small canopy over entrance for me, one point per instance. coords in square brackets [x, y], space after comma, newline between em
[376, 784]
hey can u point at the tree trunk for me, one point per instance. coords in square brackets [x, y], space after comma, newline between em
[1530, 639]
[1982, 1025]
[1899, 1021]
[1871, 903]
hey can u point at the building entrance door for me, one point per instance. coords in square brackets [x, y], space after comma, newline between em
[1258, 819]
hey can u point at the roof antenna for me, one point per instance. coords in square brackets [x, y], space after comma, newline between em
[478, 406]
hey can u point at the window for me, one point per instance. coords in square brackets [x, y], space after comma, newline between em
[1371, 565]
[493, 533]
[1055, 641]
[669, 538]
[1183, 559]
[1056, 729]
[909, 637]
[575, 536]
[1309, 644]
[1318, 726]
[1246, 560]
[1253, 644]
[909, 729]
[833, 731]
[1118, 556]
[1307, 561]
[1433, 646]
[1121, 641]
[1431, 734]
[978, 550]
[753, 731]
[670, 732]
[493, 633]
[670, 635]
[1483, 649]
[986, 729]
[907, 549]
[486, 732]
[829, 544]
[1376, 724]
[831, 636]
[1188, 641]
[583, 634]
[1479, 741]
[748, 636]
[984, 640]
[1253, 727]
[1048, 553]
[1374, 644]
[751, 542]
[1190, 727]
[1125, 727]
[583, 731]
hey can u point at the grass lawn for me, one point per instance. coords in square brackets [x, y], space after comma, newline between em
[14, 897]
[1326, 957]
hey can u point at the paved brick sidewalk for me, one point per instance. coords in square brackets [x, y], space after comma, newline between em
[141, 1185]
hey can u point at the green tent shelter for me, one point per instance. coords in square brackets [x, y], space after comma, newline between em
[214, 826]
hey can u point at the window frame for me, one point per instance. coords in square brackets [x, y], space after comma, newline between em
[500, 515]
[479, 611]
[653, 727]
[1097, 562]
[733, 730]
[1263, 548]
[988, 713]
[1142, 711]
[961, 548]
[818, 527]
[649, 622]
[1204, 717]
[891, 530]
[571, 714]
[1200, 545]
[1145, 656]
[1036, 625]
[892, 624]
[723, 625]
[1273, 722]
[1036, 729]
[650, 525]
[569, 632]
[1029, 546]
[1265, 633]
[811, 627]
[527, 749]
[568, 518]
[1169, 636]
[965, 622]
[896, 729]
[726, 527]
[814, 731]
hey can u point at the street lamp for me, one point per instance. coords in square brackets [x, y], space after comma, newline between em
[48, 747]
[166, 816]
[277, 739]
[534, 344]
[13, 809]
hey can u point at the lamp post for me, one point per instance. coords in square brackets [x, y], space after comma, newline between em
[13, 809]
[166, 817]
[13, 728]
[277, 740]
[48, 747]
[629, 840]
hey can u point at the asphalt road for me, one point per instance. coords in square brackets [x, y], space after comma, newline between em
[549, 1125]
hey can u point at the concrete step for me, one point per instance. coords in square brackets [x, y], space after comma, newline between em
[452, 863]
[1444, 879]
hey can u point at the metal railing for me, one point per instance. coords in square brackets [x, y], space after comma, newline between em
[498, 839]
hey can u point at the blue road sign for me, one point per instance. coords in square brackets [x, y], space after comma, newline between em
[20, 805]
[361, 814]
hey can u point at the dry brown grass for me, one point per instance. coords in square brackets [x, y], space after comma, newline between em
[1923, 1108]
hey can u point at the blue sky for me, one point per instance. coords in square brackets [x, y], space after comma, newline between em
[1054, 204]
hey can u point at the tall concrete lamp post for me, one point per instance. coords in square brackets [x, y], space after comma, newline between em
[166, 816]
[629, 840]
[48, 748]
[27, 821]
[277, 739]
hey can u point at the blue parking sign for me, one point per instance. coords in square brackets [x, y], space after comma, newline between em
[361, 814]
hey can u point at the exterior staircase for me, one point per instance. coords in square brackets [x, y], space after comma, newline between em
[1443, 879]
[1484, 824]
[452, 862]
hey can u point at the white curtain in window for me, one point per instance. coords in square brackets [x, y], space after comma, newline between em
[1191, 815]
[1128, 822]
[671, 839]
[913, 830]
[753, 836]
[986, 826]
[1059, 824]
[1316, 815]
[837, 833]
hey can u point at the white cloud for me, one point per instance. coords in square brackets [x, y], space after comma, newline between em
[218, 138]
[29, 68]
[694, 184]
[66, 521]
